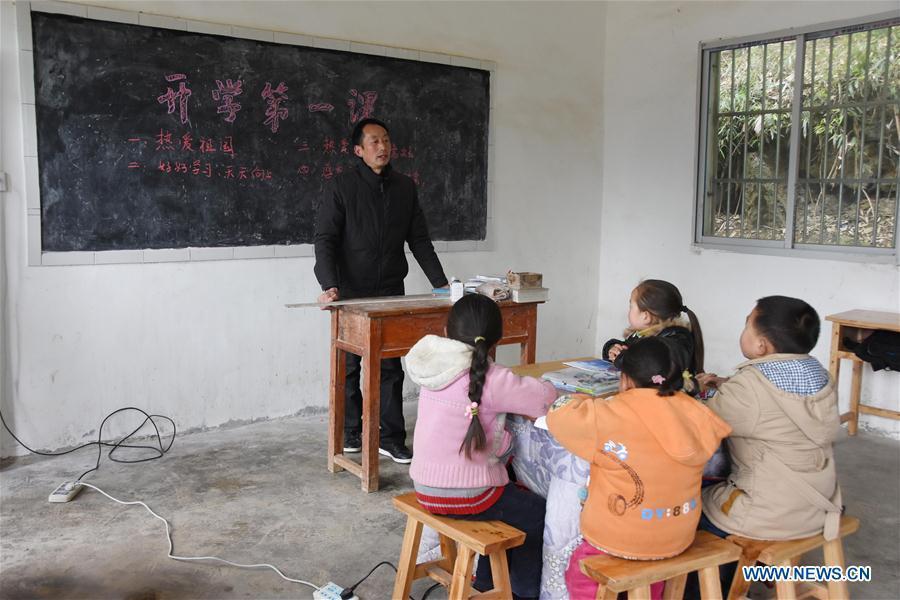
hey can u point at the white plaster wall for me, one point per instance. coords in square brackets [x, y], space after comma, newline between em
[649, 139]
[208, 343]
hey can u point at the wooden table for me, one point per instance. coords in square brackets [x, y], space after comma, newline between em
[857, 325]
[384, 329]
[538, 369]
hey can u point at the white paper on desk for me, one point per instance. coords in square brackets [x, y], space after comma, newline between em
[541, 423]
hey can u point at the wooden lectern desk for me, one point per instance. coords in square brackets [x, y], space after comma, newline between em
[384, 329]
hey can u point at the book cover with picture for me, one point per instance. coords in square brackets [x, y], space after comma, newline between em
[601, 367]
[572, 379]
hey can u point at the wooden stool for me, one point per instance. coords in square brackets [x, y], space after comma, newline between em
[460, 540]
[788, 554]
[635, 576]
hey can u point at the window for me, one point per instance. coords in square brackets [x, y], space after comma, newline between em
[799, 144]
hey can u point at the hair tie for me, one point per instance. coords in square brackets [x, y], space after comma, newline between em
[686, 375]
[684, 308]
[472, 410]
[479, 338]
[658, 379]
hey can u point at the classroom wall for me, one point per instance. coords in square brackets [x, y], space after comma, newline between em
[210, 343]
[650, 125]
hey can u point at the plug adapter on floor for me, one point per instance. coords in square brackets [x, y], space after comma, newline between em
[65, 492]
[331, 591]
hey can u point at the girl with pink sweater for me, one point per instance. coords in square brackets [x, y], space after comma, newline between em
[460, 444]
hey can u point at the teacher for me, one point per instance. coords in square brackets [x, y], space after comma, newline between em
[361, 228]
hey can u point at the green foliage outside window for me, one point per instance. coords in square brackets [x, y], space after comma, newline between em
[848, 158]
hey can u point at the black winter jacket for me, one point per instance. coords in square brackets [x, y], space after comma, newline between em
[681, 342]
[361, 230]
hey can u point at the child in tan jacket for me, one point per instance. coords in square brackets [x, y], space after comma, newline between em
[647, 447]
[782, 407]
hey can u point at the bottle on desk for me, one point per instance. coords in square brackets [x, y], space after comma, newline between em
[456, 290]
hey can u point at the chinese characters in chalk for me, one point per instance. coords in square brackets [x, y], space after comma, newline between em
[188, 153]
[275, 112]
[225, 93]
[360, 104]
[181, 96]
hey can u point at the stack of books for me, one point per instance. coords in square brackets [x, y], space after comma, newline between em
[595, 377]
[521, 284]
[540, 294]
[474, 282]
[527, 287]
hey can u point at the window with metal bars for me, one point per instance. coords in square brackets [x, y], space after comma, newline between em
[799, 144]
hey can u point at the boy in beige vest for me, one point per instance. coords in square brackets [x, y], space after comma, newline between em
[782, 407]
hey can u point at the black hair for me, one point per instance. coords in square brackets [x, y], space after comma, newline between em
[651, 358]
[663, 300]
[789, 324]
[475, 320]
[357, 135]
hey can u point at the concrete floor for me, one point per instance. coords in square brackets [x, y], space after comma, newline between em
[261, 493]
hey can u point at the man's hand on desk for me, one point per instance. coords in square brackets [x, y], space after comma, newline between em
[329, 295]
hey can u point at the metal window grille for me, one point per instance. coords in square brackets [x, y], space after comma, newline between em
[799, 140]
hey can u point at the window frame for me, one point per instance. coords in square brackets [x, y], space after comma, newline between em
[786, 246]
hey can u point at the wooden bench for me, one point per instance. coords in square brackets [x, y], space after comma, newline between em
[460, 541]
[788, 553]
[635, 576]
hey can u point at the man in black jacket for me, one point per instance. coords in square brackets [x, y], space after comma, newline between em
[360, 233]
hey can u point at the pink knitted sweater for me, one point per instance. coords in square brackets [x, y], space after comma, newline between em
[441, 366]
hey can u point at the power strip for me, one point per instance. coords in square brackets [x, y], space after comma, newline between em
[65, 492]
[331, 591]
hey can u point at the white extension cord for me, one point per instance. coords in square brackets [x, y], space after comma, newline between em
[191, 558]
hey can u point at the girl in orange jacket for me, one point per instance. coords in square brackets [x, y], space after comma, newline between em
[647, 447]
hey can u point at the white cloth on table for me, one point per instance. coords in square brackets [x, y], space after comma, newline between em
[550, 470]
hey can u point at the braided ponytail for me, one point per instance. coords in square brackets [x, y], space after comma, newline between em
[475, 320]
[475, 438]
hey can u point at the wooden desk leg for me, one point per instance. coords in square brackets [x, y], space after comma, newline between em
[371, 408]
[855, 387]
[834, 363]
[336, 397]
[527, 353]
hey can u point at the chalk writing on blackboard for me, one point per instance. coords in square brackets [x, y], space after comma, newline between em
[226, 93]
[181, 96]
[213, 141]
[275, 111]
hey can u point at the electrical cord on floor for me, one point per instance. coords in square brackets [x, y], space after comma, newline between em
[197, 558]
[157, 452]
[348, 592]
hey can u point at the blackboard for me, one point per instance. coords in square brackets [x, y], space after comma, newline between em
[158, 138]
